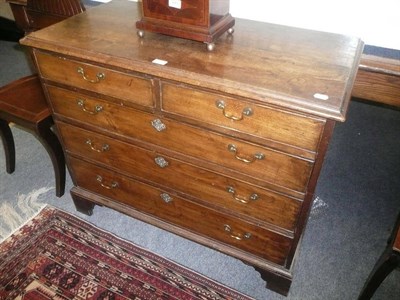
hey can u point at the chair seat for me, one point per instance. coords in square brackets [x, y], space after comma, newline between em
[23, 102]
[24, 99]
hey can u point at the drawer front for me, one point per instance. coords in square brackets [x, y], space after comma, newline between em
[178, 211]
[211, 187]
[131, 88]
[292, 129]
[256, 161]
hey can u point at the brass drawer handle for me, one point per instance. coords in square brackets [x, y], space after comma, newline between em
[99, 76]
[103, 148]
[247, 160]
[246, 111]
[113, 184]
[167, 198]
[236, 235]
[241, 199]
[97, 108]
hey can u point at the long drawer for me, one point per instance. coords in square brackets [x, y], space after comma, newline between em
[237, 114]
[214, 188]
[129, 87]
[189, 215]
[256, 161]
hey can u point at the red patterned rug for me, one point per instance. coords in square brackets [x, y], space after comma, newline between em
[59, 256]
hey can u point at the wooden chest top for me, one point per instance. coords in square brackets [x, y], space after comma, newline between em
[298, 69]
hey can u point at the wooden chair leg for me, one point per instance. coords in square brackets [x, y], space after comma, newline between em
[53, 147]
[8, 145]
[388, 261]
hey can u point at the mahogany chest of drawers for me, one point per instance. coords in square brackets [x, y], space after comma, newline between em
[223, 148]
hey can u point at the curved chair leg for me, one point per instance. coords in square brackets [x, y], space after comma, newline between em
[51, 143]
[388, 261]
[8, 145]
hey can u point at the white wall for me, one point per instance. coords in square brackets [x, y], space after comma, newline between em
[376, 22]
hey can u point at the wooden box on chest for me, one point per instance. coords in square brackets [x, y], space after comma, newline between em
[200, 20]
[223, 148]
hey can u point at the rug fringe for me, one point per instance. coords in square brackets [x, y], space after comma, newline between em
[15, 215]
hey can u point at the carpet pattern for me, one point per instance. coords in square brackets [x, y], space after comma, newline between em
[59, 256]
[15, 213]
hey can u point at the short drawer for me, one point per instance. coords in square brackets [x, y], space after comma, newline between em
[256, 161]
[213, 188]
[178, 211]
[237, 114]
[101, 80]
